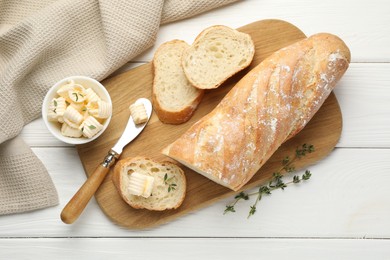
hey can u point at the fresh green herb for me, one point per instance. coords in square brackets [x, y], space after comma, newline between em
[238, 197]
[76, 96]
[276, 182]
[306, 175]
[55, 104]
[92, 127]
[306, 148]
[168, 181]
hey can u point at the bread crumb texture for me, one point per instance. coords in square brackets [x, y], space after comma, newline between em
[175, 99]
[162, 197]
[171, 85]
[216, 54]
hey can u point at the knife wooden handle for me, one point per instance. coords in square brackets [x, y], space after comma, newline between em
[76, 205]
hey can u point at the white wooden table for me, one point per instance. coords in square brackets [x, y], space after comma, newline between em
[343, 212]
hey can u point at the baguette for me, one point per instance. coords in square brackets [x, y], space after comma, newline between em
[269, 105]
[163, 196]
[217, 53]
[174, 98]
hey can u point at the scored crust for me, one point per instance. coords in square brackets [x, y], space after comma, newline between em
[269, 105]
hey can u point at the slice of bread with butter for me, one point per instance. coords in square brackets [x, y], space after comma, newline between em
[146, 184]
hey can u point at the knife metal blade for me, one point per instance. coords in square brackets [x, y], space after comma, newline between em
[132, 130]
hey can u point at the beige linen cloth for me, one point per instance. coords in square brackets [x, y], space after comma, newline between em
[42, 42]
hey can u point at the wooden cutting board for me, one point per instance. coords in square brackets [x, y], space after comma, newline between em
[323, 131]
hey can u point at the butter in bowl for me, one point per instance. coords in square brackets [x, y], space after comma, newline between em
[77, 109]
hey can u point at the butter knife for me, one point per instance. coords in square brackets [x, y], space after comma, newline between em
[79, 201]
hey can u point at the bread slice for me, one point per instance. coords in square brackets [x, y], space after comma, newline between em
[174, 98]
[167, 193]
[217, 53]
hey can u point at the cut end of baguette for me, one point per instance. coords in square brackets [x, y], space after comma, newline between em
[217, 53]
[175, 99]
[166, 151]
[167, 193]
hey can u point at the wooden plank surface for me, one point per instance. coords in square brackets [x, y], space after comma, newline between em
[268, 36]
[348, 196]
[176, 248]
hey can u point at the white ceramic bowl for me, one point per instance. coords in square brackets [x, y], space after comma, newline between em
[55, 128]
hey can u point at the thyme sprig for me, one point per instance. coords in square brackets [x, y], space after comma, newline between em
[276, 182]
[76, 96]
[168, 181]
[55, 104]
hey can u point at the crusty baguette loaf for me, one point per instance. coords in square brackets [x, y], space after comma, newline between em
[162, 197]
[270, 104]
[174, 98]
[217, 53]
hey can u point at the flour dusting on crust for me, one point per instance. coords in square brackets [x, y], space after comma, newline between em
[271, 104]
